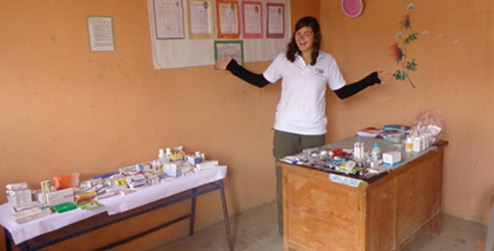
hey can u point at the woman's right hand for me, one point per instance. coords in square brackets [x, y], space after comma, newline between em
[223, 63]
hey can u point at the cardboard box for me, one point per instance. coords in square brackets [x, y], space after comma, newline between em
[392, 158]
[60, 196]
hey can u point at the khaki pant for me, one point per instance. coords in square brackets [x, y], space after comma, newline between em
[286, 144]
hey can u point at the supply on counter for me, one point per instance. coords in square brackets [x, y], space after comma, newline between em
[395, 133]
[376, 153]
[409, 144]
[64, 207]
[358, 151]
[66, 181]
[417, 144]
[429, 123]
[16, 186]
[392, 158]
[168, 154]
[371, 132]
[161, 154]
[428, 128]
[31, 214]
[68, 193]
[88, 205]
[60, 196]
[207, 164]
[20, 198]
[23, 207]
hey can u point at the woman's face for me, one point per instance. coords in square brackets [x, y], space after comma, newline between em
[304, 37]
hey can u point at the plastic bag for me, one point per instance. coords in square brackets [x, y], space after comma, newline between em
[429, 122]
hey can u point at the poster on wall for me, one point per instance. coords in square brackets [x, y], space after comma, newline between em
[100, 30]
[200, 19]
[201, 32]
[169, 19]
[232, 48]
[276, 20]
[228, 19]
[252, 19]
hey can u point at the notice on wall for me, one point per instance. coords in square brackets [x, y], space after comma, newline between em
[200, 19]
[100, 29]
[241, 21]
[276, 20]
[252, 19]
[232, 48]
[169, 19]
[228, 19]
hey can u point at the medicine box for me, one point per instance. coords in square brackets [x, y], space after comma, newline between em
[60, 196]
[20, 198]
[207, 164]
[172, 169]
[392, 158]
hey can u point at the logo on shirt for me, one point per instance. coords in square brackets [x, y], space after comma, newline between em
[319, 71]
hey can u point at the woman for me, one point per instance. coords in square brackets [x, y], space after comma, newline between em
[300, 120]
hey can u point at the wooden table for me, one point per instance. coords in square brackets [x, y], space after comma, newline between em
[383, 214]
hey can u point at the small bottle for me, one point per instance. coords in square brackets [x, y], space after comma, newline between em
[356, 150]
[362, 151]
[376, 153]
[427, 140]
[168, 154]
[161, 154]
[197, 158]
[409, 144]
[417, 144]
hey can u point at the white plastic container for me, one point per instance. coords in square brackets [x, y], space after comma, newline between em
[376, 154]
[417, 144]
[161, 154]
[409, 144]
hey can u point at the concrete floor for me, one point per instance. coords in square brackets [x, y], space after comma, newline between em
[256, 230]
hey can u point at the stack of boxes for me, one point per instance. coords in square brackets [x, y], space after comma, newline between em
[66, 192]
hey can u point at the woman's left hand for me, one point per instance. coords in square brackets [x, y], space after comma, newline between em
[384, 77]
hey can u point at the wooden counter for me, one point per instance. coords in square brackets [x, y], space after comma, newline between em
[385, 214]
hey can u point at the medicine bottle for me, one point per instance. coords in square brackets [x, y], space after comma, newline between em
[168, 154]
[409, 144]
[417, 144]
[376, 153]
[161, 154]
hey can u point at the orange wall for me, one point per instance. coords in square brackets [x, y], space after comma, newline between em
[304, 8]
[64, 109]
[455, 75]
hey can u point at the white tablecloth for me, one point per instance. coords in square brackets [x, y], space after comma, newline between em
[111, 205]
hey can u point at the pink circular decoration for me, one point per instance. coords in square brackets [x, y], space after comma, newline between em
[352, 8]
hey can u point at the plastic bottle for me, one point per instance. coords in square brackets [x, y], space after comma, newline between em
[417, 144]
[161, 154]
[168, 154]
[356, 150]
[376, 153]
[409, 144]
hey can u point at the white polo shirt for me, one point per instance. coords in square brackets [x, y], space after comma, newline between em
[302, 107]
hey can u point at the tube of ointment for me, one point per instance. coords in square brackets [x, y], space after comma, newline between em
[105, 195]
[45, 188]
[207, 164]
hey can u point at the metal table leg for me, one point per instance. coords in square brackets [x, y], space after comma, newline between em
[192, 212]
[8, 244]
[226, 219]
